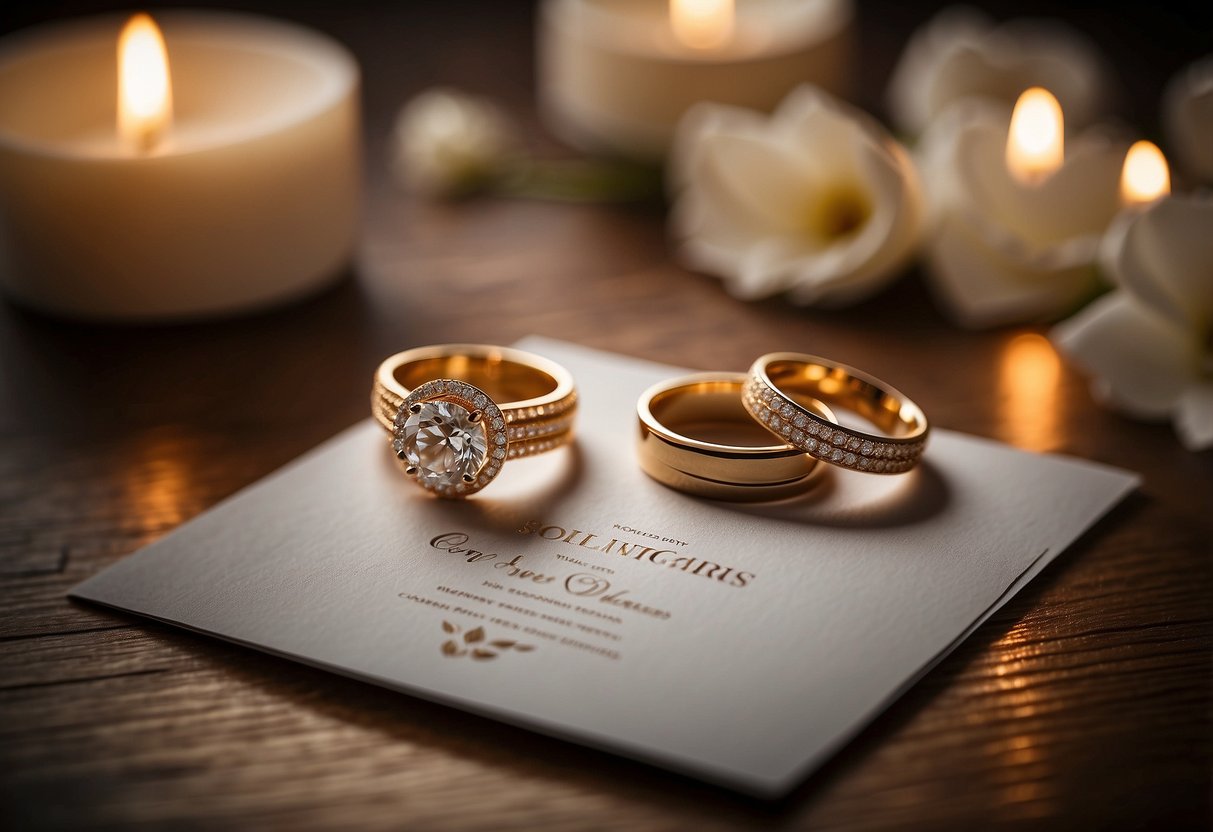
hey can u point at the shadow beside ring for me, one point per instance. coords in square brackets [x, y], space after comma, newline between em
[922, 494]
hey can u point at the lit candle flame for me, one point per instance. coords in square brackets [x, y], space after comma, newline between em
[1036, 142]
[1145, 177]
[702, 24]
[145, 95]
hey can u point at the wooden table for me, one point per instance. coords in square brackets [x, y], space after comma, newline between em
[1084, 703]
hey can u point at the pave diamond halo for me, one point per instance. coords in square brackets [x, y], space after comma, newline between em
[456, 413]
[445, 433]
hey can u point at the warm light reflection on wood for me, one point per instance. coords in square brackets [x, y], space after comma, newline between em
[1018, 743]
[157, 484]
[1028, 386]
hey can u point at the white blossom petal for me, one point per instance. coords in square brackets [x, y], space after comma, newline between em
[981, 286]
[1140, 362]
[846, 274]
[816, 199]
[1194, 417]
[751, 270]
[809, 116]
[1188, 114]
[1164, 256]
[743, 230]
[446, 143]
[759, 181]
[960, 54]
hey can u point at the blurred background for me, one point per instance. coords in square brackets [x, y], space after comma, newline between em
[1084, 701]
[486, 47]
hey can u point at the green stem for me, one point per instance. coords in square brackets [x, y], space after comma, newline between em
[576, 180]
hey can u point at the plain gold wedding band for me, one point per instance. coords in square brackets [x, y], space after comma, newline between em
[671, 412]
[482, 405]
[778, 381]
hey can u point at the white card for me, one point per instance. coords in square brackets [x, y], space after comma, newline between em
[738, 644]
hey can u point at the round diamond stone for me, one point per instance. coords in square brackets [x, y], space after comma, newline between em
[443, 444]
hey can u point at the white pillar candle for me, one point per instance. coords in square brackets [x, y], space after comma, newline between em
[615, 76]
[249, 196]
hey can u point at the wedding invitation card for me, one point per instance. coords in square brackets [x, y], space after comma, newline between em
[740, 644]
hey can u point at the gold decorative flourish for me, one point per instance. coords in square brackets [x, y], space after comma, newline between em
[474, 644]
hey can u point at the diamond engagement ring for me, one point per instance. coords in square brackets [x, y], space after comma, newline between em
[457, 412]
[776, 381]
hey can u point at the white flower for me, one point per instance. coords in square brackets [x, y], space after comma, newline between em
[1188, 112]
[1000, 251]
[961, 54]
[1149, 344]
[446, 143]
[816, 200]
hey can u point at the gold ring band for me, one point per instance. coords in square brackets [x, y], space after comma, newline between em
[777, 380]
[458, 412]
[708, 404]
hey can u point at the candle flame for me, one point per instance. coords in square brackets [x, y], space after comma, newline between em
[145, 95]
[701, 24]
[1145, 177]
[1035, 143]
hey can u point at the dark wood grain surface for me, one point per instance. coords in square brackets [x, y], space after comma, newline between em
[1085, 703]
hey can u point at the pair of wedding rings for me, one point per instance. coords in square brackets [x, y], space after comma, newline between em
[790, 398]
[458, 412]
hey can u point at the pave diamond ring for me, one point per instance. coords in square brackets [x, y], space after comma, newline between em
[457, 412]
[775, 383]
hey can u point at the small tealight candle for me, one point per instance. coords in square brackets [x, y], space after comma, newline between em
[615, 76]
[144, 177]
[1036, 138]
[1145, 179]
[1021, 209]
[1145, 176]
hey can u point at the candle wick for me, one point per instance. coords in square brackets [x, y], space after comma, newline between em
[146, 141]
